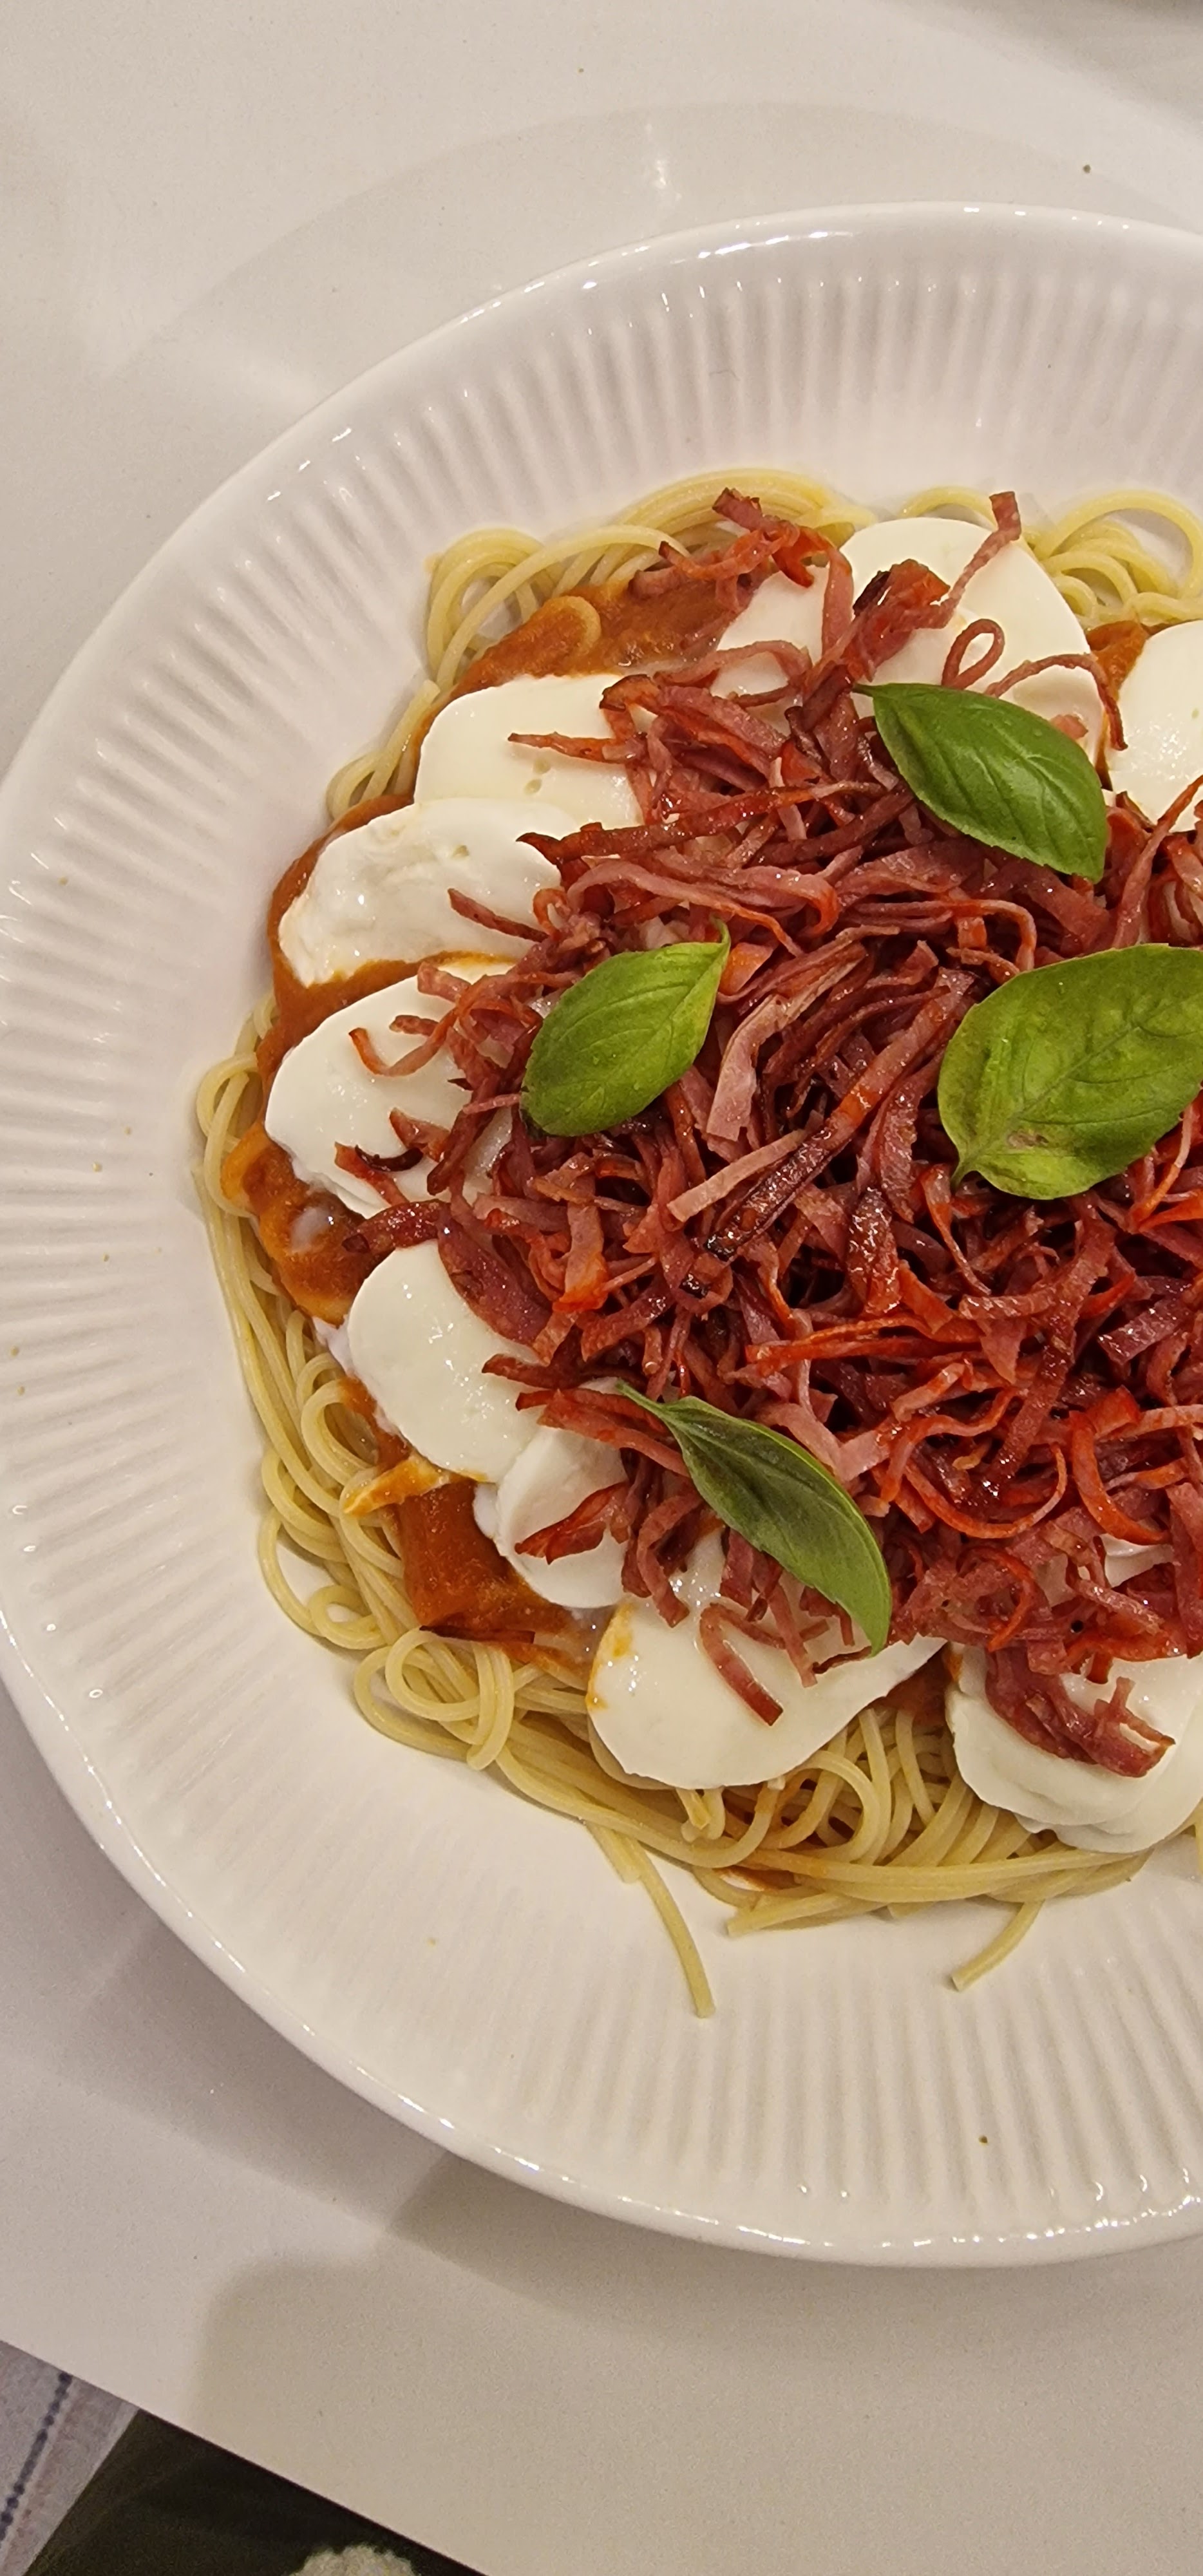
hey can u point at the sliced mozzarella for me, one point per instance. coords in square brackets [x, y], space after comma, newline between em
[1093, 1810]
[323, 1095]
[1013, 589]
[420, 1351]
[385, 890]
[556, 1471]
[780, 612]
[665, 1712]
[1161, 703]
[468, 752]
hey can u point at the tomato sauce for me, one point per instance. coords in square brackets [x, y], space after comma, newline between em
[308, 1236]
[1119, 646]
[602, 629]
[456, 1579]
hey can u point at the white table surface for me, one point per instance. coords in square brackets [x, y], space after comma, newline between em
[211, 218]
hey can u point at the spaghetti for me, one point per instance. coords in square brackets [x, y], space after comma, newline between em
[879, 1817]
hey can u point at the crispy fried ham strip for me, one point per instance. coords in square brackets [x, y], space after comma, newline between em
[1003, 1386]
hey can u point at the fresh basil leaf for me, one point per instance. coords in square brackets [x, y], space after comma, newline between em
[779, 1498]
[1065, 1075]
[615, 1041]
[997, 773]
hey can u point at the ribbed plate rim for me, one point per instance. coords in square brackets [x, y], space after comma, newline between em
[49, 1723]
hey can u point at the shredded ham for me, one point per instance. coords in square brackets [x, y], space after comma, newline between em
[1039, 1707]
[735, 1090]
[712, 1628]
[398, 1228]
[583, 1527]
[1001, 1385]
[496, 1287]
[377, 1170]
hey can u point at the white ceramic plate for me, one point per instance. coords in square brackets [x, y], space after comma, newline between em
[467, 1962]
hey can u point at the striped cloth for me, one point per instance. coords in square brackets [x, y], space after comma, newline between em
[54, 2433]
[89, 2488]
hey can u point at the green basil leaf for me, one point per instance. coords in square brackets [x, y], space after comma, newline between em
[997, 773]
[615, 1041]
[779, 1497]
[1063, 1076]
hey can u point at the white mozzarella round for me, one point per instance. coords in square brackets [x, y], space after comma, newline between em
[556, 1471]
[324, 1096]
[780, 612]
[385, 890]
[665, 1713]
[1091, 1809]
[420, 1351]
[1161, 703]
[468, 752]
[1013, 589]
